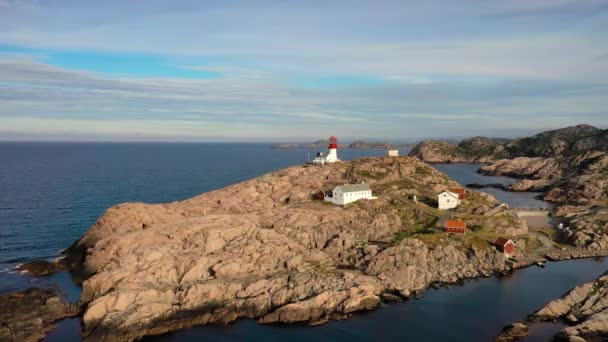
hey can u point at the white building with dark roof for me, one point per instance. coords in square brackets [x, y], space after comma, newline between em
[344, 194]
[448, 200]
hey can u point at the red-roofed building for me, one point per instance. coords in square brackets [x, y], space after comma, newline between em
[455, 226]
[462, 193]
[506, 246]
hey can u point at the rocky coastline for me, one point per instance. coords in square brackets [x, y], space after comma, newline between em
[265, 249]
[28, 315]
[262, 249]
[570, 168]
[584, 310]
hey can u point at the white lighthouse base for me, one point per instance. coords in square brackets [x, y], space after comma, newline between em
[332, 156]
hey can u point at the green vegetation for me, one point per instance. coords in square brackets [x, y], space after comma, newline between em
[372, 175]
[476, 228]
[400, 235]
[423, 170]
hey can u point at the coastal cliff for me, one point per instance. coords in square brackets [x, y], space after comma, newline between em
[263, 249]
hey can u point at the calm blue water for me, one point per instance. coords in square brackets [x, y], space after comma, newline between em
[51, 193]
[467, 174]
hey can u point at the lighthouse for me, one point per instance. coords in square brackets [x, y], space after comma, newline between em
[332, 154]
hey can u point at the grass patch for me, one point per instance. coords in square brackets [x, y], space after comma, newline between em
[423, 170]
[400, 235]
[367, 174]
[476, 228]
[431, 239]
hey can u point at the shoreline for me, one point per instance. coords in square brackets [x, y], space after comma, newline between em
[230, 316]
[386, 301]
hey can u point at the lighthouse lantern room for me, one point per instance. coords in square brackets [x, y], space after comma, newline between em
[332, 153]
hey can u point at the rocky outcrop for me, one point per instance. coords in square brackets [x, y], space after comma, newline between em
[564, 142]
[435, 151]
[412, 266]
[588, 230]
[367, 144]
[42, 267]
[472, 150]
[559, 142]
[577, 180]
[513, 332]
[584, 308]
[263, 249]
[29, 315]
[534, 185]
[524, 167]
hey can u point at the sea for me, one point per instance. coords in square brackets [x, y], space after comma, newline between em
[51, 193]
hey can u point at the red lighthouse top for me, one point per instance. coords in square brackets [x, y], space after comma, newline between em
[333, 142]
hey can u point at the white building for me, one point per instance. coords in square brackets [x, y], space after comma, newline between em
[448, 200]
[332, 153]
[344, 194]
[392, 153]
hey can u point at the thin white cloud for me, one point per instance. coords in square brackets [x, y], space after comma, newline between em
[41, 101]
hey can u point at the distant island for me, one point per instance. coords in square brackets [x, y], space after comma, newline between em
[358, 144]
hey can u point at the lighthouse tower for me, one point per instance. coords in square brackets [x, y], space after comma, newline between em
[332, 155]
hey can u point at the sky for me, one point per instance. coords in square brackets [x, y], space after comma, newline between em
[299, 70]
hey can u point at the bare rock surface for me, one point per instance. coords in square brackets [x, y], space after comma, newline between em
[29, 315]
[524, 167]
[42, 267]
[263, 249]
[577, 180]
[569, 165]
[513, 332]
[585, 308]
[435, 151]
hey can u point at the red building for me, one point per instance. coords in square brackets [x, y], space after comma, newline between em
[455, 226]
[462, 193]
[506, 246]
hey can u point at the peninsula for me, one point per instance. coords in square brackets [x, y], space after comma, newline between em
[265, 249]
[270, 249]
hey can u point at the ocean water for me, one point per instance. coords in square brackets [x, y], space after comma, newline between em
[50, 193]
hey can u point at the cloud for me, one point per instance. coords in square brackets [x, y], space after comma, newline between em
[37, 99]
[229, 71]
[387, 69]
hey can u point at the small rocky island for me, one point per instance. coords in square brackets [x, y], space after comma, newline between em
[358, 144]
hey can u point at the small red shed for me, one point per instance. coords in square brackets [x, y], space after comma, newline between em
[462, 193]
[319, 195]
[506, 246]
[455, 226]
